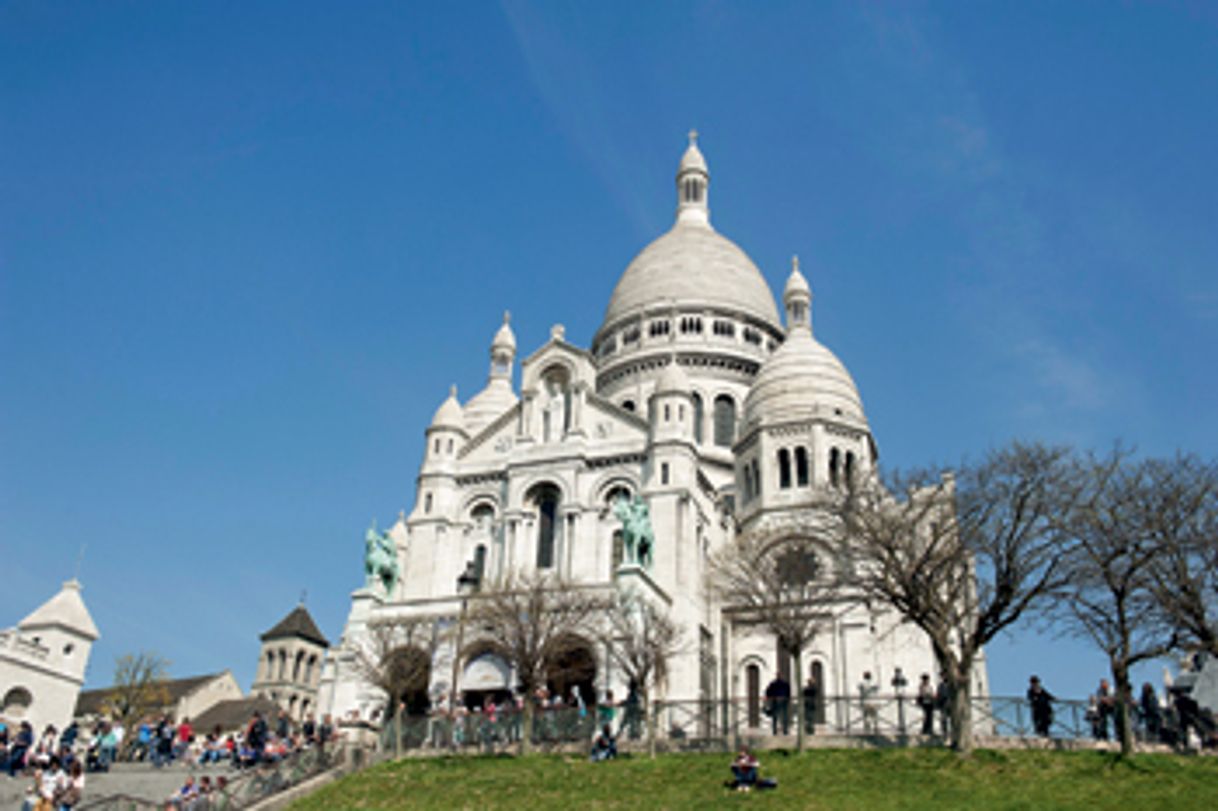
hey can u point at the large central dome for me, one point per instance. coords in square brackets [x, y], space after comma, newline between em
[692, 265]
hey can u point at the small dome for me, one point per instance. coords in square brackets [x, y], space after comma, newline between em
[797, 285]
[802, 379]
[692, 160]
[673, 379]
[449, 414]
[505, 338]
[489, 404]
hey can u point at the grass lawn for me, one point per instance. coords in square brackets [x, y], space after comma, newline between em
[819, 779]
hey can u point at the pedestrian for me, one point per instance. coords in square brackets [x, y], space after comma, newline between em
[1152, 716]
[867, 692]
[778, 700]
[943, 703]
[1041, 701]
[1105, 704]
[811, 695]
[926, 702]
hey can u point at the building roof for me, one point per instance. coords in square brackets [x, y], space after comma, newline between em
[298, 623]
[801, 380]
[233, 714]
[90, 702]
[65, 610]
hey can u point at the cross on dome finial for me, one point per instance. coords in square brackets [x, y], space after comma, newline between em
[794, 263]
[693, 137]
[452, 391]
[507, 316]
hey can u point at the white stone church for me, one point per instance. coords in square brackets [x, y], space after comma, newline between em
[694, 395]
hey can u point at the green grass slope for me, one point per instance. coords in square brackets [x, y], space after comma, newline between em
[823, 779]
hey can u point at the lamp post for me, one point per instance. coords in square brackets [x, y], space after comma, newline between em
[466, 584]
[898, 685]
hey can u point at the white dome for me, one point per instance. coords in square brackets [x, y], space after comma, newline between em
[802, 379]
[449, 414]
[692, 264]
[489, 404]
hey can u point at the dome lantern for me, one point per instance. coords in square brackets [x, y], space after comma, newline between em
[503, 349]
[693, 185]
[797, 299]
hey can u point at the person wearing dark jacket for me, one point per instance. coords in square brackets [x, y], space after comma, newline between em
[1041, 701]
[778, 701]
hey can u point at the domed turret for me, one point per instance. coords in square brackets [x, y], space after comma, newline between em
[802, 378]
[450, 413]
[497, 397]
[693, 185]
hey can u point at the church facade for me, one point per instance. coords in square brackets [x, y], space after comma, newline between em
[695, 396]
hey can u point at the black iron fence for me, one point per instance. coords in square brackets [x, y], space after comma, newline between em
[691, 725]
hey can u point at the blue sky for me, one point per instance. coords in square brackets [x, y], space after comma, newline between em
[245, 248]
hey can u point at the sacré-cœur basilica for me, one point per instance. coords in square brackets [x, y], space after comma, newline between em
[694, 396]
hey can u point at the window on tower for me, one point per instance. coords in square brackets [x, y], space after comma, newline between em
[784, 468]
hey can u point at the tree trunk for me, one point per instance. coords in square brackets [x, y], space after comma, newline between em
[397, 731]
[1124, 729]
[526, 726]
[962, 713]
[653, 719]
[798, 697]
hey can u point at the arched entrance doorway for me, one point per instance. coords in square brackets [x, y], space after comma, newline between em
[572, 666]
[818, 673]
[752, 680]
[410, 672]
[486, 677]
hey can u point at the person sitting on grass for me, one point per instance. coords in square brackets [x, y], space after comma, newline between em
[604, 747]
[745, 771]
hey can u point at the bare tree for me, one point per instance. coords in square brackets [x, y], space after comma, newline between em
[642, 638]
[139, 688]
[396, 655]
[778, 579]
[1110, 598]
[532, 621]
[961, 556]
[1180, 506]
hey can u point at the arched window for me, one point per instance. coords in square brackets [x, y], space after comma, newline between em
[435, 448]
[784, 468]
[16, 702]
[546, 497]
[269, 673]
[628, 405]
[427, 503]
[725, 421]
[297, 665]
[746, 485]
[450, 446]
[752, 678]
[283, 664]
[756, 479]
[835, 466]
[849, 471]
[667, 413]
[801, 466]
[818, 676]
[309, 665]
[482, 516]
[664, 473]
[697, 398]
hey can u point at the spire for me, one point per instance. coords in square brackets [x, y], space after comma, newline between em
[797, 298]
[503, 349]
[693, 184]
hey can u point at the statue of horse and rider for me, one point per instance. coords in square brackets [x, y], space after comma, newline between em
[380, 559]
[638, 540]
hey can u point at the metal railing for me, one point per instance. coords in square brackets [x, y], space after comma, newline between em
[692, 725]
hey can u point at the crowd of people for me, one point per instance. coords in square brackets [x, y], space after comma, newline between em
[56, 762]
